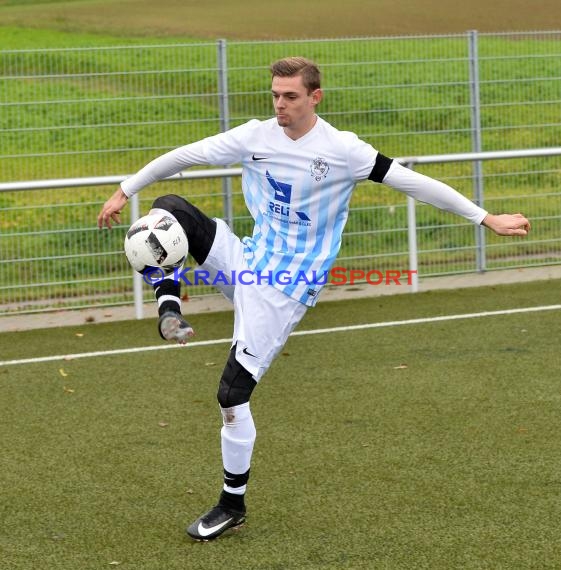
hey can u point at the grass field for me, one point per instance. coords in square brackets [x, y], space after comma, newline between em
[423, 446]
[290, 19]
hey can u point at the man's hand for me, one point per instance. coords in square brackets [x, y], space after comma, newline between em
[112, 209]
[507, 224]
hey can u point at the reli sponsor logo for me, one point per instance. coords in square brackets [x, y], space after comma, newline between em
[279, 207]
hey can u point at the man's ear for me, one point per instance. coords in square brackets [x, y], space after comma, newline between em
[317, 96]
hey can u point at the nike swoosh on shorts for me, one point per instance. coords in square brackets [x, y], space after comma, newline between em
[245, 351]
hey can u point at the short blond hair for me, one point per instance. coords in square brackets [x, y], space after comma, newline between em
[292, 66]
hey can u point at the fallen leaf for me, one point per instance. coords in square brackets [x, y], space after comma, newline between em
[163, 424]
[189, 491]
[210, 363]
[69, 390]
[400, 367]
[62, 372]
[114, 563]
[80, 335]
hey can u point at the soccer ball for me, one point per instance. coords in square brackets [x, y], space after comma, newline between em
[156, 241]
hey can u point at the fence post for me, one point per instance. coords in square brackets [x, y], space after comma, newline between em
[224, 110]
[412, 240]
[476, 145]
[136, 277]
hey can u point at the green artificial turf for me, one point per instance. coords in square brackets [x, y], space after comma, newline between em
[431, 445]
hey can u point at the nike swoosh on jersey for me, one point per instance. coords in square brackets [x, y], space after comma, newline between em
[259, 157]
[203, 531]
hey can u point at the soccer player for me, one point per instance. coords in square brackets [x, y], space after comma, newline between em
[298, 176]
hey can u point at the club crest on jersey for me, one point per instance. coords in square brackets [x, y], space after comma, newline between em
[319, 168]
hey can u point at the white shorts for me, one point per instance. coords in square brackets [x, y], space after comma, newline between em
[263, 315]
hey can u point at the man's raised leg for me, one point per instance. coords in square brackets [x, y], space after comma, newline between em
[200, 231]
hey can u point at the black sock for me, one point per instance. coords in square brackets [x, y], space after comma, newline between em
[232, 502]
[169, 306]
[171, 289]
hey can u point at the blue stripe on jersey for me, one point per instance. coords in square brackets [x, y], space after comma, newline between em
[250, 181]
[261, 263]
[323, 216]
[340, 222]
[303, 235]
[311, 259]
[334, 246]
[333, 252]
[276, 237]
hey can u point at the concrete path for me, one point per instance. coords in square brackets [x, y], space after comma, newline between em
[211, 303]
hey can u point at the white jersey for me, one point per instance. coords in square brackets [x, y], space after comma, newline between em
[298, 193]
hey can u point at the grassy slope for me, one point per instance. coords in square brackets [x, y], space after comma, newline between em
[289, 19]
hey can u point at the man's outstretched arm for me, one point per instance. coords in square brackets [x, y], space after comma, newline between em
[444, 197]
[165, 165]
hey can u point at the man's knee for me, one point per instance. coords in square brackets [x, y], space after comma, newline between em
[199, 228]
[171, 203]
[236, 384]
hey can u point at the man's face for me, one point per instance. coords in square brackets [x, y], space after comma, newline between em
[294, 106]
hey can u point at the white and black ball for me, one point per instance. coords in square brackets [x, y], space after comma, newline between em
[156, 241]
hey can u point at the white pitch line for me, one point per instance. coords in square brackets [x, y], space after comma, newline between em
[297, 333]
[431, 320]
[112, 352]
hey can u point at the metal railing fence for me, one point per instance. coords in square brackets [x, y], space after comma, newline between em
[88, 113]
[416, 256]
